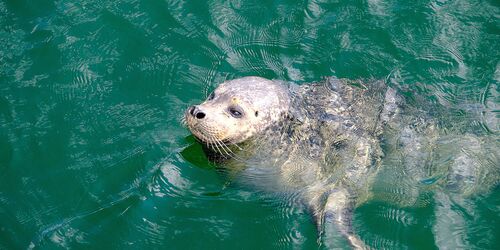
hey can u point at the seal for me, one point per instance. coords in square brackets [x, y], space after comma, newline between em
[324, 141]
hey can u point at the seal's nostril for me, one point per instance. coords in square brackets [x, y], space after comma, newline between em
[191, 110]
[200, 115]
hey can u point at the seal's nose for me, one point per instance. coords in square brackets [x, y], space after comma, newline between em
[196, 112]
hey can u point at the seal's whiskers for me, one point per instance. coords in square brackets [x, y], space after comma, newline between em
[213, 145]
[228, 152]
[183, 121]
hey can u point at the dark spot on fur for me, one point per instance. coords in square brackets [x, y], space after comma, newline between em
[256, 113]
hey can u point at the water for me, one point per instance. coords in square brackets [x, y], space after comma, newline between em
[93, 153]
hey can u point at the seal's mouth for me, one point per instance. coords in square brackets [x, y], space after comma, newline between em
[199, 135]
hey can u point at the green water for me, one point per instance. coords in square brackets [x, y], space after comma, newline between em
[93, 153]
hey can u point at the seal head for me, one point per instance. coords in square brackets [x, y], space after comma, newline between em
[238, 110]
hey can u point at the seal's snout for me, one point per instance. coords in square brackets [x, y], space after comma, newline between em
[196, 112]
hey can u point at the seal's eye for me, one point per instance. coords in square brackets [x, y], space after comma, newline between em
[236, 112]
[211, 96]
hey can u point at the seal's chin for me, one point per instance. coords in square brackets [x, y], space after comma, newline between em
[205, 140]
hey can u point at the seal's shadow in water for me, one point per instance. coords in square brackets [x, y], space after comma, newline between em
[200, 155]
[196, 154]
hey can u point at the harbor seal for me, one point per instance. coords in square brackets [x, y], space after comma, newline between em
[317, 140]
[324, 141]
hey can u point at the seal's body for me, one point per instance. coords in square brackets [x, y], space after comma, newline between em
[322, 141]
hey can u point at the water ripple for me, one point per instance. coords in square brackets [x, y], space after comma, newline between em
[92, 93]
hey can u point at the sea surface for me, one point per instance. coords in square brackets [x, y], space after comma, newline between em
[93, 153]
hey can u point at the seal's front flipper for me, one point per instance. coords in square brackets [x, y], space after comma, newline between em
[337, 220]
